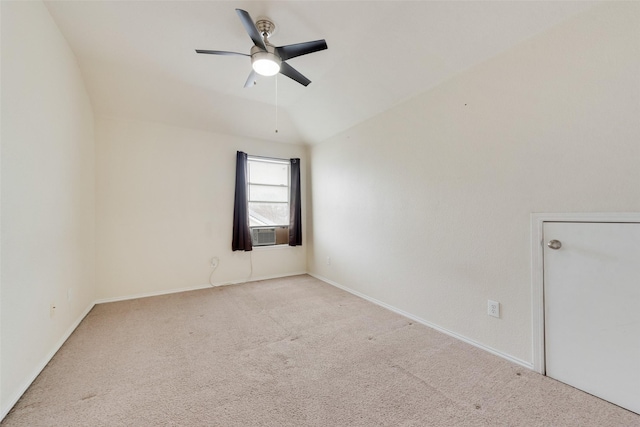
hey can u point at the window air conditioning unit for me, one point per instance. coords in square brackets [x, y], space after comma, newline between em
[263, 236]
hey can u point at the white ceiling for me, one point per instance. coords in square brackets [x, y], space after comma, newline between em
[138, 58]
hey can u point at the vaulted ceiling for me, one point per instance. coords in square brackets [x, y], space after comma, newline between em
[138, 58]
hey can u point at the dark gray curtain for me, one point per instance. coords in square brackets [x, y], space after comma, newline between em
[241, 231]
[295, 203]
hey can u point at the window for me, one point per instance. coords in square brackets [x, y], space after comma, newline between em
[267, 206]
[268, 199]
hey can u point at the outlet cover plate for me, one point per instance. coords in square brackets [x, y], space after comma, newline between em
[493, 308]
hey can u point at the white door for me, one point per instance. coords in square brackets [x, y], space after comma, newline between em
[592, 308]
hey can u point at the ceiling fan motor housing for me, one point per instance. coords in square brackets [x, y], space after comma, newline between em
[265, 27]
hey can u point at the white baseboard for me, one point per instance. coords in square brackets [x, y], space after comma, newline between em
[474, 343]
[257, 279]
[151, 294]
[195, 288]
[21, 390]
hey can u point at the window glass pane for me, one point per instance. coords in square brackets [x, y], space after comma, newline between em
[267, 193]
[268, 214]
[268, 173]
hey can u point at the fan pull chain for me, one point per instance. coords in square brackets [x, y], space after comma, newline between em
[276, 103]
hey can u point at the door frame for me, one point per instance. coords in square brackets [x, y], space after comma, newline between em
[537, 269]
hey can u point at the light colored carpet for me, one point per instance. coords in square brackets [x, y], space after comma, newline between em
[286, 352]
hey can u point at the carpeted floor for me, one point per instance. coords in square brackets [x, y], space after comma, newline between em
[286, 352]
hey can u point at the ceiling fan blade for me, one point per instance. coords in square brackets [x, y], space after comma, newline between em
[292, 73]
[251, 80]
[251, 29]
[220, 52]
[293, 50]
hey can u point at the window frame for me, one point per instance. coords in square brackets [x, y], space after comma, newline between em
[271, 160]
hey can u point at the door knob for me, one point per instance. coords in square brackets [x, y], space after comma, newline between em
[555, 244]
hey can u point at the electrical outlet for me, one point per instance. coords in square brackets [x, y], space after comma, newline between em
[52, 309]
[493, 308]
[214, 262]
[328, 260]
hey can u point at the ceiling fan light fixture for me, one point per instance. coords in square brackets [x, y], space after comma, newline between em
[266, 67]
[265, 63]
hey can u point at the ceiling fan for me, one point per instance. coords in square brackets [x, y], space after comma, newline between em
[266, 59]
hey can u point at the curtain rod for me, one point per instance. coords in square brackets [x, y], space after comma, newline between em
[277, 159]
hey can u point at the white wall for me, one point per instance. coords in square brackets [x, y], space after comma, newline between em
[48, 185]
[165, 208]
[427, 207]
